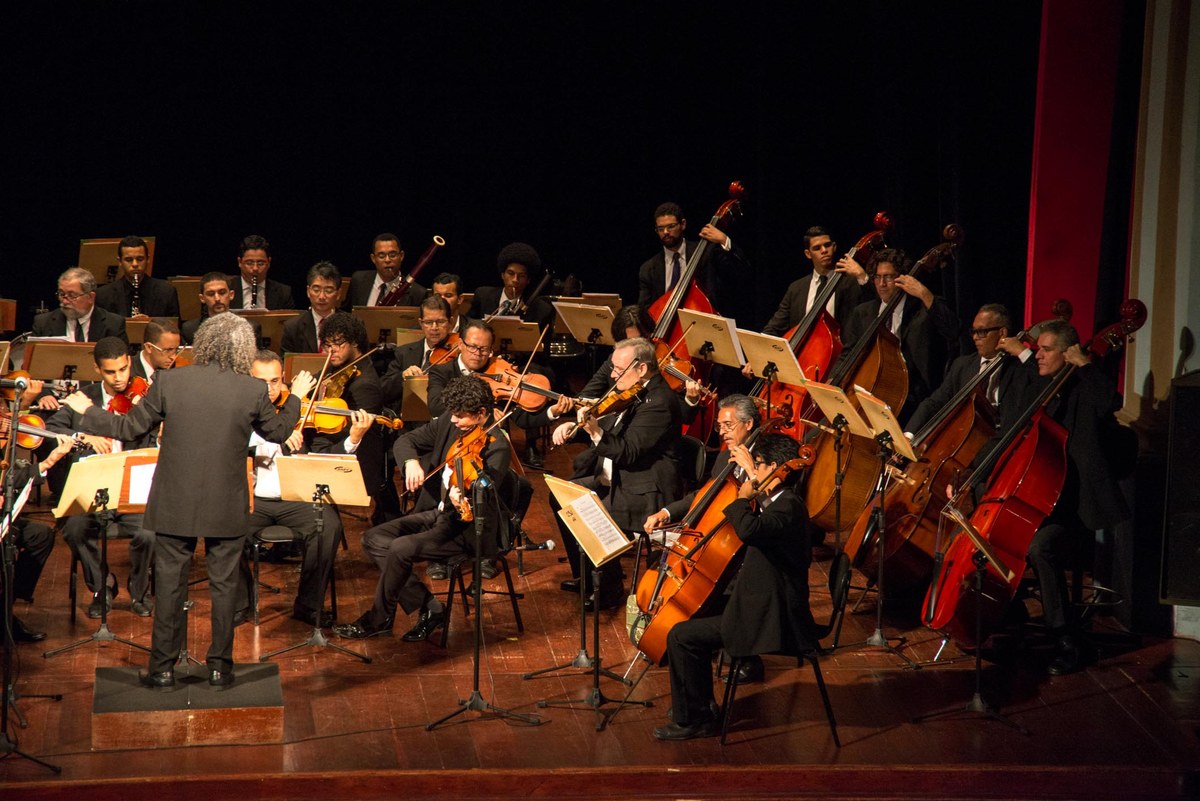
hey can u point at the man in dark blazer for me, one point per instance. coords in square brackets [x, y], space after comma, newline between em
[720, 256]
[80, 531]
[300, 334]
[200, 487]
[214, 299]
[412, 359]
[766, 609]
[924, 323]
[436, 529]
[474, 355]
[154, 297]
[368, 286]
[251, 288]
[633, 466]
[78, 318]
[159, 348]
[850, 285]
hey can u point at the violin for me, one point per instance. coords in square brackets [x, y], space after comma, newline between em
[123, 402]
[445, 351]
[466, 457]
[284, 394]
[330, 415]
[31, 431]
[530, 391]
[335, 384]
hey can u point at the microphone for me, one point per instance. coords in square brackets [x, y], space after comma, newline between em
[547, 545]
[20, 383]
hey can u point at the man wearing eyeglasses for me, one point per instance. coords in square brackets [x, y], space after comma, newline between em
[251, 288]
[659, 274]
[302, 334]
[474, 355]
[152, 297]
[77, 317]
[925, 324]
[415, 358]
[159, 349]
[369, 287]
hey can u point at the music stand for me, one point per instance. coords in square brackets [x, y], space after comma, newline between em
[591, 325]
[414, 405]
[712, 337]
[135, 328]
[8, 314]
[332, 478]
[188, 290]
[405, 336]
[88, 491]
[56, 359]
[269, 324]
[293, 363]
[383, 322]
[514, 335]
[600, 540]
[772, 358]
[99, 257]
[5, 352]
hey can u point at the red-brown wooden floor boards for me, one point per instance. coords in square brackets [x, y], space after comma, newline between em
[1126, 728]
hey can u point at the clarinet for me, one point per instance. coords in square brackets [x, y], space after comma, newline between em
[134, 310]
[254, 291]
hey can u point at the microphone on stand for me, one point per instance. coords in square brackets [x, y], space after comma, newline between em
[546, 545]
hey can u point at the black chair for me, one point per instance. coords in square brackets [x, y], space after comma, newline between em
[839, 586]
[280, 534]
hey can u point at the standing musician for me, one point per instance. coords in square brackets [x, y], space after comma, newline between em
[821, 250]
[251, 288]
[159, 348]
[369, 287]
[767, 606]
[78, 318]
[118, 392]
[207, 411]
[1090, 497]
[270, 509]
[924, 323]
[137, 293]
[415, 358]
[632, 463]
[215, 295]
[658, 275]
[344, 337]
[303, 334]
[436, 530]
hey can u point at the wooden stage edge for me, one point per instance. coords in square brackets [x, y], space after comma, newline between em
[1089, 782]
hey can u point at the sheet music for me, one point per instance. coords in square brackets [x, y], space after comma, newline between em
[18, 503]
[588, 508]
[141, 476]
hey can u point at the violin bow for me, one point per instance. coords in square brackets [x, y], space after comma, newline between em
[521, 378]
[313, 403]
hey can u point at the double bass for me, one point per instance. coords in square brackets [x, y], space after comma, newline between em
[1025, 474]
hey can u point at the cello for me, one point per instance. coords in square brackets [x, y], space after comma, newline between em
[876, 364]
[1025, 474]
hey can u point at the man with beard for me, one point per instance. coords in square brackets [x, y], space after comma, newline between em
[78, 318]
[659, 274]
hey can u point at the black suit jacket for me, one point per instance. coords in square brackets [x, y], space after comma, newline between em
[652, 275]
[300, 334]
[487, 299]
[200, 487]
[847, 295]
[156, 298]
[962, 370]
[66, 421]
[430, 445]
[278, 295]
[361, 392]
[403, 357]
[103, 324]
[187, 331]
[360, 290]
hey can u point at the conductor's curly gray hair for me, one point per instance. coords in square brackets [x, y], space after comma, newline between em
[227, 341]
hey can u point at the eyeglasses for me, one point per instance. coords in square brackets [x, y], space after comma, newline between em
[322, 290]
[391, 255]
[983, 332]
[478, 350]
[334, 343]
[71, 297]
[433, 323]
[164, 351]
[728, 425]
[886, 279]
[759, 462]
[255, 262]
[661, 229]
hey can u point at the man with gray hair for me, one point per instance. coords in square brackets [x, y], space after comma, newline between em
[77, 317]
[207, 411]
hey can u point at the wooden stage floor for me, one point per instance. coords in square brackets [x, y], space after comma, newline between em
[1126, 728]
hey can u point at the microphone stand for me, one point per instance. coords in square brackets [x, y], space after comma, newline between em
[475, 702]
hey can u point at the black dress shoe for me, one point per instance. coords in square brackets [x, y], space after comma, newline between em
[570, 585]
[676, 731]
[533, 458]
[94, 611]
[750, 671]
[305, 615]
[163, 682]
[142, 608]
[22, 633]
[1072, 657]
[241, 616]
[220, 678]
[361, 629]
[427, 623]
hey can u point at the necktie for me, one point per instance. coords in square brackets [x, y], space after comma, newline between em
[993, 383]
[79, 335]
[320, 341]
[383, 291]
[675, 270]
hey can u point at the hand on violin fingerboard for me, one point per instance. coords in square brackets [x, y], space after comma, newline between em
[360, 423]
[847, 265]
[561, 406]
[714, 234]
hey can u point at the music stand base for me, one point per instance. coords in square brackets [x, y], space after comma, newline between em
[318, 639]
[884, 643]
[102, 634]
[8, 746]
[976, 707]
[476, 704]
[13, 696]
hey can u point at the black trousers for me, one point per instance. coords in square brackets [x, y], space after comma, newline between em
[172, 559]
[299, 517]
[691, 645]
[82, 532]
[611, 576]
[1053, 548]
[396, 546]
[33, 541]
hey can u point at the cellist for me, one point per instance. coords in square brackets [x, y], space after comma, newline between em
[659, 274]
[767, 608]
[821, 250]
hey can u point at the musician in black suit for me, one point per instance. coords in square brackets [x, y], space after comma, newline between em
[634, 470]
[448, 287]
[368, 286]
[215, 296]
[414, 358]
[251, 288]
[160, 347]
[851, 288]
[154, 297]
[474, 355]
[80, 531]
[207, 411]
[301, 334]
[436, 529]
[669, 226]
[765, 610]
[925, 324]
[78, 318]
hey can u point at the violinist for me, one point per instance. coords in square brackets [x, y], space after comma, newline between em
[302, 334]
[159, 349]
[78, 318]
[368, 287]
[251, 288]
[136, 292]
[658, 275]
[118, 391]
[766, 608]
[417, 357]
[344, 338]
[821, 250]
[631, 463]
[436, 530]
[474, 355]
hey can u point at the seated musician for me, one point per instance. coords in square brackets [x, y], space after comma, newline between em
[214, 299]
[821, 250]
[631, 464]
[78, 317]
[302, 334]
[118, 391]
[151, 296]
[251, 288]
[159, 348]
[658, 275]
[415, 358]
[369, 287]
[271, 510]
[344, 338]
[436, 529]
[448, 287]
[766, 608]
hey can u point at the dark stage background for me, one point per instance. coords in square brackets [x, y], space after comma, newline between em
[320, 125]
